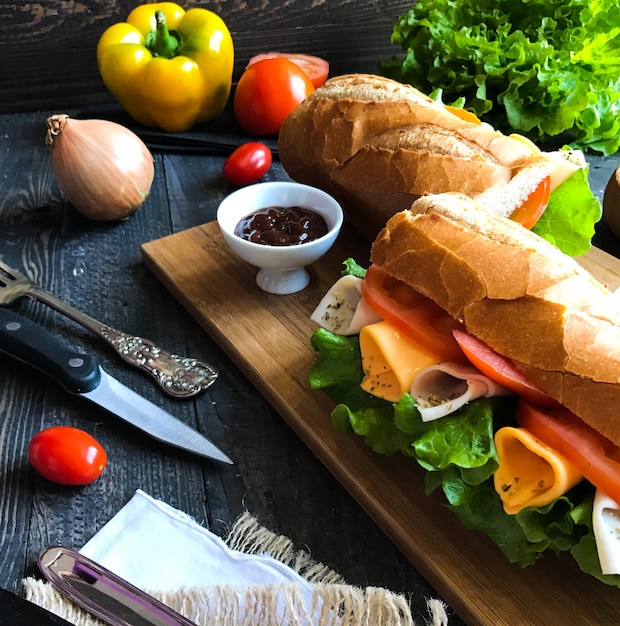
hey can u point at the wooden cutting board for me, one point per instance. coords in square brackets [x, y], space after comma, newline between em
[267, 336]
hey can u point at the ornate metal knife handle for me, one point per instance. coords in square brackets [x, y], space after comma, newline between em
[179, 376]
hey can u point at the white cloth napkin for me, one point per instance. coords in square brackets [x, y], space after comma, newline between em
[226, 583]
[154, 546]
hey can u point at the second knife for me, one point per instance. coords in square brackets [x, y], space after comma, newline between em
[81, 374]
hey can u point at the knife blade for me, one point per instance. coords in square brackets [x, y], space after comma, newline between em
[82, 375]
[102, 593]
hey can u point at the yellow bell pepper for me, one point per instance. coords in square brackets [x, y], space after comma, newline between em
[167, 67]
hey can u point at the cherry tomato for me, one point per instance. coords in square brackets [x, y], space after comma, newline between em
[413, 314]
[267, 92]
[500, 369]
[534, 206]
[592, 454]
[247, 163]
[67, 455]
[315, 68]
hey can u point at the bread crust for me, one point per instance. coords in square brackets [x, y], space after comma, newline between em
[517, 293]
[377, 145]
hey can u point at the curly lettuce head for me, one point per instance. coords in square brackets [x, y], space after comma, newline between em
[544, 68]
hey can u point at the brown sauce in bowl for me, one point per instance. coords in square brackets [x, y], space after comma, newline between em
[282, 226]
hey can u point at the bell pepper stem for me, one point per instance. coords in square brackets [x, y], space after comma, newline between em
[160, 41]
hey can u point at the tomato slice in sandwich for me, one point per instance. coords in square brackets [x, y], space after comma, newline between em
[315, 68]
[500, 369]
[595, 456]
[534, 206]
[412, 313]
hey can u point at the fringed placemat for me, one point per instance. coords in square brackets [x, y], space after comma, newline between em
[331, 601]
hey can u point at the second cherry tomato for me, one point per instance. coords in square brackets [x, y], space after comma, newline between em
[248, 163]
[267, 92]
[67, 455]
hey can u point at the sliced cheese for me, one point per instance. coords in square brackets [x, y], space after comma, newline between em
[530, 473]
[443, 388]
[390, 360]
[606, 526]
[343, 310]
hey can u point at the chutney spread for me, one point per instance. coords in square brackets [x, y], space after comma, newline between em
[282, 226]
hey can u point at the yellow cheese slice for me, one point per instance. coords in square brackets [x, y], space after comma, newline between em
[530, 473]
[390, 360]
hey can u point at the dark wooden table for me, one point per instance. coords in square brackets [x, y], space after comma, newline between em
[99, 269]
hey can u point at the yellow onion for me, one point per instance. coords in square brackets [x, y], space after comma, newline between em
[104, 170]
[611, 203]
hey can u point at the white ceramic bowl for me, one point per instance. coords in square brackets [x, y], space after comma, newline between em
[281, 268]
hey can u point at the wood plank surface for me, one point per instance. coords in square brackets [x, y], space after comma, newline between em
[267, 337]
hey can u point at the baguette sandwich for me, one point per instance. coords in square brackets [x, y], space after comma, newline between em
[551, 327]
[377, 145]
[518, 294]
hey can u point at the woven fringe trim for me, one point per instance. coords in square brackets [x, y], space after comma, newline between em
[329, 603]
[250, 537]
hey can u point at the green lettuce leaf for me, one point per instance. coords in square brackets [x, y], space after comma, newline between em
[569, 219]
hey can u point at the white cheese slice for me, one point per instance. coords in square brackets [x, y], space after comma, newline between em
[443, 388]
[606, 526]
[343, 310]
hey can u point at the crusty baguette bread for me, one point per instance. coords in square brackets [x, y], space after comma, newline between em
[517, 293]
[377, 145]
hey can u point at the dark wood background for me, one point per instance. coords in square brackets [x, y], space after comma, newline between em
[47, 48]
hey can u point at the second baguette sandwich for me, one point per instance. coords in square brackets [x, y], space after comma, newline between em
[378, 145]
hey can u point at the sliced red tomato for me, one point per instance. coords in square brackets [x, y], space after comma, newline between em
[412, 313]
[315, 68]
[592, 454]
[465, 115]
[500, 369]
[534, 206]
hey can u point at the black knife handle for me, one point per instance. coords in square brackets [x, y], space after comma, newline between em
[35, 346]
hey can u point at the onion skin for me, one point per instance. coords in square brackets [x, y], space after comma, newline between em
[104, 170]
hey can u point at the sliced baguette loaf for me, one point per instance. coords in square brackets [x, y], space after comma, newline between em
[378, 145]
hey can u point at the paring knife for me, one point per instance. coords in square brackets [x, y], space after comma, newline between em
[81, 374]
[102, 593]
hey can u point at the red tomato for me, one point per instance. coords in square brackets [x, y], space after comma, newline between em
[315, 68]
[500, 369]
[267, 92]
[67, 455]
[247, 163]
[591, 453]
[412, 313]
[534, 206]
